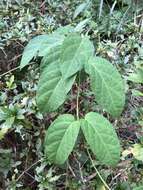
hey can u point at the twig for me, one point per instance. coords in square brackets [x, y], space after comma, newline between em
[112, 8]
[115, 177]
[100, 8]
[9, 71]
[27, 170]
[70, 168]
[105, 184]
[80, 171]
[18, 67]
[16, 57]
[3, 52]
[90, 177]
[29, 175]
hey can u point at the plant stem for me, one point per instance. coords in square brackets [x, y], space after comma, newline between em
[99, 175]
[100, 8]
[77, 104]
[77, 98]
[28, 169]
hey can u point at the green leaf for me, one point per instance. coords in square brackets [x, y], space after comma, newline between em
[102, 138]
[137, 151]
[60, 138]
[75, 53]
[80, 26]
[3, 131]
[40, 46]
[80, 9]
[64, 30]
[136, 77]
[107, 85]
[52, 88]
[137, 93]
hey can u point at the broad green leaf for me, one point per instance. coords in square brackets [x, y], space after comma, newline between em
[75, 53]
[60, 138]
[52, 88]
[39, 46]
[53, 57]
[107, 85]
[102, 138]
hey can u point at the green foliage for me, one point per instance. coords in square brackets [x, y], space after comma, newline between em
[9, 116]
[39, 46]
[59, 68]
[75, 53]
[52, 87]
[107, 85]
[81, 8]
[115, 28]
[137, 77]
[137, 151]
[138, 188]
[102, 138]
[60, 138]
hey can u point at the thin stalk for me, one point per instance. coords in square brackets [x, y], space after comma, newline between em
[37, 162]
[100, 8]
[77, 98]
[99, 175]
[14, 69]
[77, 104]
[9, 71]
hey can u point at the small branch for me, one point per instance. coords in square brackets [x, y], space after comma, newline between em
[71, 170]
[9, 71]
[87, 179]
[14, 69]
[100, 8]
[25, 171]
[77, 103]
[77, 99]
[105, 184]
[112, 8]
[16, 57]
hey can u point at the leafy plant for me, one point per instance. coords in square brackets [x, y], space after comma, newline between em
[60, 67]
